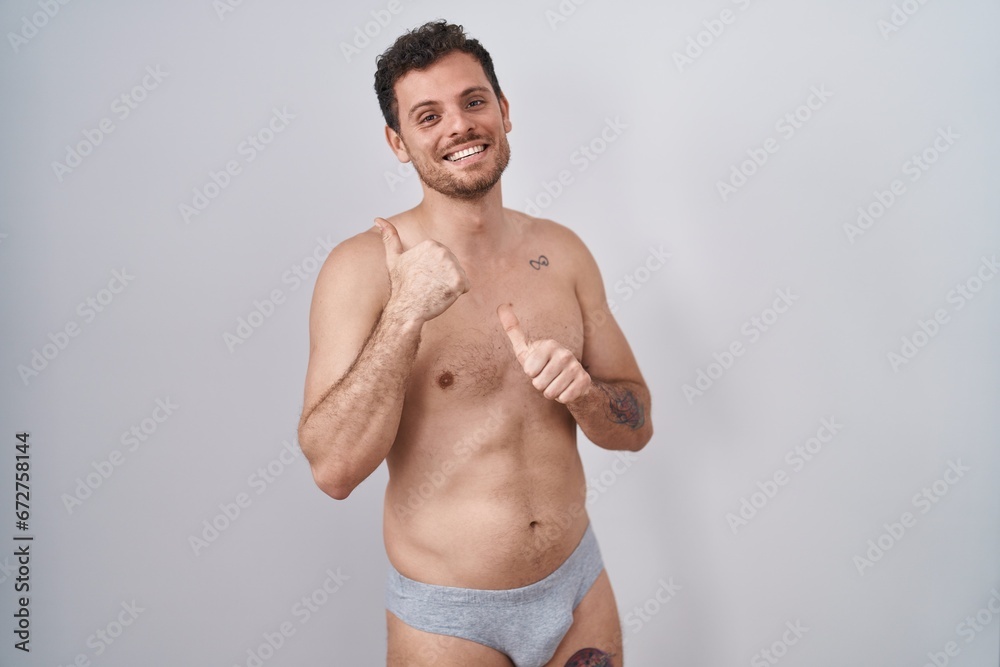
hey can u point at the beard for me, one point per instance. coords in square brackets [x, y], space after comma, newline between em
[470, 186]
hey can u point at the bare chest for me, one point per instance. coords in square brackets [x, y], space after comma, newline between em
[465, 353]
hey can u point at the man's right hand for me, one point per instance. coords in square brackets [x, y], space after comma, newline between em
[425, 280]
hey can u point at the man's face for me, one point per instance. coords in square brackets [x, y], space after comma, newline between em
[452, 127]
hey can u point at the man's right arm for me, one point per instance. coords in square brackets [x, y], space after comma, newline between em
[365, 325]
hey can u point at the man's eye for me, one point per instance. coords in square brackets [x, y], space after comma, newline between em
[476, 102]
[428, 117]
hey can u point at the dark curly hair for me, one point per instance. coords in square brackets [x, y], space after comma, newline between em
[418, 49]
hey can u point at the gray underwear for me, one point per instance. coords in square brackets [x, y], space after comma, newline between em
[526, 624]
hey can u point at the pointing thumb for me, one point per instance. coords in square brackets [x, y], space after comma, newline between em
[390, 237]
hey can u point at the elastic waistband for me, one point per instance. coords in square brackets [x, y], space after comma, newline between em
[586, 551]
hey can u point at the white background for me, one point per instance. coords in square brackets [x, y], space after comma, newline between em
[663, 520]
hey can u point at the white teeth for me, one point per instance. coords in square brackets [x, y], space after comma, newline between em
[466, 153]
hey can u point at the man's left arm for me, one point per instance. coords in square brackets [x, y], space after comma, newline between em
[604, 390]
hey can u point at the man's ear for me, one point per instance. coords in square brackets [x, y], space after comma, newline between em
[505, 112]
[396, 144]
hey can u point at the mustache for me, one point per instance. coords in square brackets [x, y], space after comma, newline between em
[464, 140]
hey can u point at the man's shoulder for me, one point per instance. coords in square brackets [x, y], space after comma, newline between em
[358, 248]
[366, 248]
[357, 262]
[564, 245]
[557, 234]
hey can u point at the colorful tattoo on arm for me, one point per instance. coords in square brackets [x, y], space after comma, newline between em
[589, 657]
[623, 407]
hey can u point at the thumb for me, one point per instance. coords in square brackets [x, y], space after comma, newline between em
[513, 328]
[390, 237]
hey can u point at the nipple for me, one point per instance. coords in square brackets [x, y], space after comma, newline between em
[445, 380]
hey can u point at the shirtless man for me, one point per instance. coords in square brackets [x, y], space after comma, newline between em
[463, 343]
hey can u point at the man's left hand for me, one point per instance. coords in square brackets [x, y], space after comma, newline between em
[554, 370]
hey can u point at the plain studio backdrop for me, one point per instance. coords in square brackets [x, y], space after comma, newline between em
[794, 208]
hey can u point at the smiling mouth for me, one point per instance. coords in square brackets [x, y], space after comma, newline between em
[463, 154]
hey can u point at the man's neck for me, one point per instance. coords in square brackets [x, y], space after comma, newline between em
[470, 228]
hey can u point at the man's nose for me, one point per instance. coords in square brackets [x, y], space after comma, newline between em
[460, 122]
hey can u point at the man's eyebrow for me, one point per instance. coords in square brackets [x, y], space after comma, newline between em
[464, 93]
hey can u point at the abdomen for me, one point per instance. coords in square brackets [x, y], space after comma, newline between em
[489, 498]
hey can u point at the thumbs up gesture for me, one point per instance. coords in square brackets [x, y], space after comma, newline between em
[553, 369]
[424, 280]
